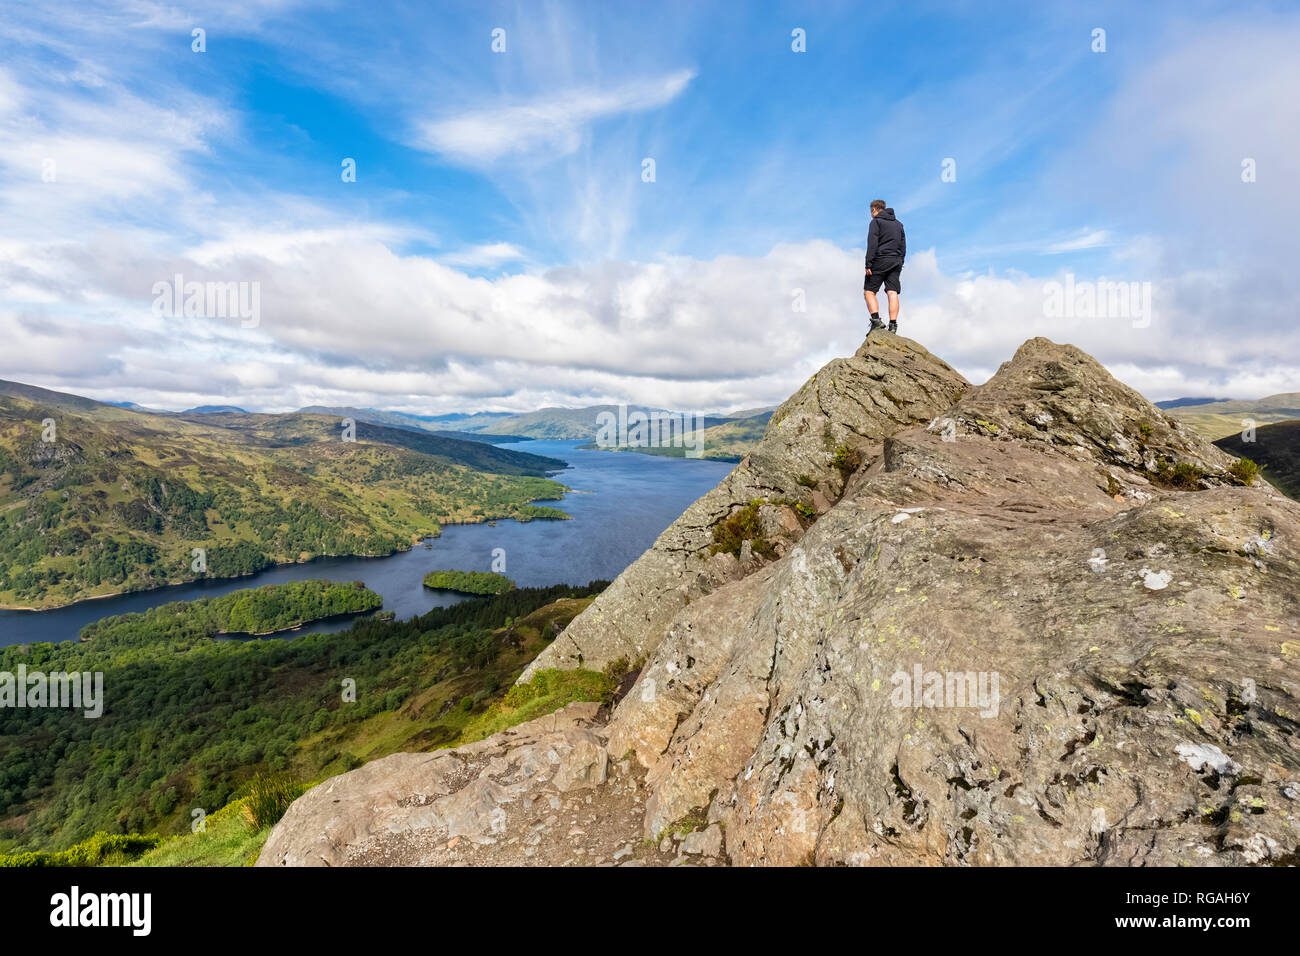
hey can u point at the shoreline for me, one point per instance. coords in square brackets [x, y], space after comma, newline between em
[253, 635]
[228, 577]
[417, 539]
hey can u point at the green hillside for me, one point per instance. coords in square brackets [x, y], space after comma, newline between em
[435, 426]
[1276, 449]
[1220, 419]
[728, 441]
[296, 429]
[119, 499]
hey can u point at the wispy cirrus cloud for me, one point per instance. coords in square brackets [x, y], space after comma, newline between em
[554, 122]
[1088, 239]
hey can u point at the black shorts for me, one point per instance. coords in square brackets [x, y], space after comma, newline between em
[889, 277]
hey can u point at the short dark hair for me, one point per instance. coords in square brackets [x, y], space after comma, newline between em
[877, 205]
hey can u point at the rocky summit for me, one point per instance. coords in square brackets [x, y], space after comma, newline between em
[1035, 621]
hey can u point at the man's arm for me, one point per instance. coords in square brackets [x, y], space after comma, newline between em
[902, 241]
[873, 232]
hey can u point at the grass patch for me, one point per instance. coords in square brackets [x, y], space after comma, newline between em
[269, 796]
[1186, 475]
[696, 819]
[1182, 475]
[806, 511]
[102, 849]
[547, 692]
[226, 840]
[847, 459]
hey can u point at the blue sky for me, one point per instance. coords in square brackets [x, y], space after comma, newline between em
[500, 249]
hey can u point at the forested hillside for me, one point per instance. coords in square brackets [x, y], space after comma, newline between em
[97, 499]
[188, 719]
[469, 582]
[264, 610]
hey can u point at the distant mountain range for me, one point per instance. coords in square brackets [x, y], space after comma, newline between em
[212, 409]
[581, 424]
[552, 423]
[424, 423]
[1180, 402]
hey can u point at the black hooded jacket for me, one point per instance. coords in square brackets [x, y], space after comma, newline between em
[886, 243]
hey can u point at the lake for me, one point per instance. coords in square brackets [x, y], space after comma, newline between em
[622, 502]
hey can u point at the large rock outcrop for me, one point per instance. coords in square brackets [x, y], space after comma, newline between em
[850, 406]
[1107, 668]
[1044, 625]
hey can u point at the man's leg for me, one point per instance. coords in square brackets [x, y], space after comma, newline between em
[872, 306]
[892, 288]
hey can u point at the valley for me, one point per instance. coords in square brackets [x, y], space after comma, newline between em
[189, 720]
[433, 669]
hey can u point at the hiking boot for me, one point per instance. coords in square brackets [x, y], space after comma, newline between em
[875, 324]
[893, 325]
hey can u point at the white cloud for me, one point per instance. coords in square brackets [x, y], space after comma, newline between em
[554, 122]
[485, 256]
[347, 318]
[1089, 239]
[346, 321]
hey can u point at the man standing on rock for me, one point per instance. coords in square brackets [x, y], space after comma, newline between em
[886, 249]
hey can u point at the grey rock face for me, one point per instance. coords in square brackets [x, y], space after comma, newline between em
[463, 793]
[706, 842]
[852, 404]
[1060, 395]
[980, 656]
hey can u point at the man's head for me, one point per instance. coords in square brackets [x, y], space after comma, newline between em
[877, 206]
